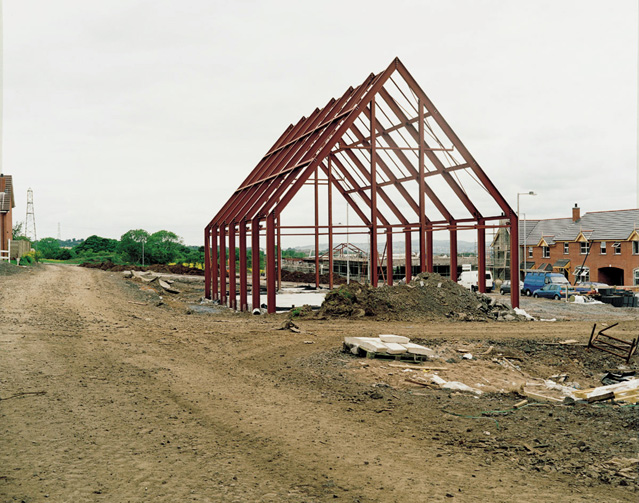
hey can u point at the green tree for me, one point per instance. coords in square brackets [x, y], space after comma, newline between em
[96, 244]
[48, 248]
[131, 245]
[191, 254]
[17, 233]
[292, 253]
[163, 247]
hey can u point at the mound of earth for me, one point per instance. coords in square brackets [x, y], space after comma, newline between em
[429, 295]
[9, 269]
[164, 268]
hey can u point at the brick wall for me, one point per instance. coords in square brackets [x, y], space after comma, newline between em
[608, 268]
[6, 229]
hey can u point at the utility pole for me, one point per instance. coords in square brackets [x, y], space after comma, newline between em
[30, 224]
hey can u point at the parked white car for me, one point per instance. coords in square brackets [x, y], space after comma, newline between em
[470, 280]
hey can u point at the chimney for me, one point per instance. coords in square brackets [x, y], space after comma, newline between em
[576, 214]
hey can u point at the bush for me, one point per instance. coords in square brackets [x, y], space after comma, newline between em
[28, 258]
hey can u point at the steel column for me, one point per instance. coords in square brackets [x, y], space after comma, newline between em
[243, 268]
[389, 256]
[373, 251]
[514, 267]
[255, 263]
[270, 263]
[223, 264]
[422, 190]
[215, 268]
[232, 272]
[453, 253]
[207, 263]
[279, 254]
[429, 250]
[481, 255]
[330, 223]
[409, 257]
[317, 264]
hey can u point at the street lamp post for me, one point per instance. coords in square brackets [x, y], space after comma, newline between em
[530, 193]
[348, 265]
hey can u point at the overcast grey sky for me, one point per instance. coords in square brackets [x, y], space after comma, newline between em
[148, 114]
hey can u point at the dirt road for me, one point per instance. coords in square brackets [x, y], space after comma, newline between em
[109, 394]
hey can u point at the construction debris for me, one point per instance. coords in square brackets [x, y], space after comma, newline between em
[626, 391]
[167, 286]
[613, 345]
[289, 325]
[434, 381]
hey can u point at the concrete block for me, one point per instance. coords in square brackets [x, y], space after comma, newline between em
[398, 339]
[416, 349]
[395, 349]
[374, 346]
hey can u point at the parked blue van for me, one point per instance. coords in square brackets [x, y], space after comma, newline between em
[537, 279]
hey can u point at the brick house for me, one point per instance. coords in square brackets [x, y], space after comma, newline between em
[7, 203]
[599, 246]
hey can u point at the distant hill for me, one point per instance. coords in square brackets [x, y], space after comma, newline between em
[69, 243]
[439, 247]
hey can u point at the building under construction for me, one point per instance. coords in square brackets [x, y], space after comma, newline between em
[384, 152]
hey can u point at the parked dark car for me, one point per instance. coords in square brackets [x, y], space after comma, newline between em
[535, 280]
[553, 291]
[505, 287]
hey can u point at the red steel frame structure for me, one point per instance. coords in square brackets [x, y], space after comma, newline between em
[382, 136]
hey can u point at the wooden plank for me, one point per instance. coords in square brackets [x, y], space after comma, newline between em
[422, 382]
[538, 396]
[603, 396]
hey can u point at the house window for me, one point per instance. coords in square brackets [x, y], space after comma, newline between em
[582, 273]
[603, 248]
[635, 247]
[566, 249]
[530, 252]
[545, 252]
[617, 248]
[583, 248]
[635, 276]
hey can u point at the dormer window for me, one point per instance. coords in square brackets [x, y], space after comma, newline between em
[583, 248]
[545, 251]
[635, 247]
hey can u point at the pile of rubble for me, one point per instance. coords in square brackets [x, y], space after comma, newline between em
[429, 295]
